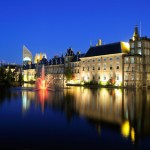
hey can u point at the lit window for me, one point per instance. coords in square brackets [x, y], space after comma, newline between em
[132, 51]
[104, 77]
[132, 77]
[93, 67]
[132, 45]
[117, 58]
[117, 77]
[93, 77]
[126, 59]
[126, 68]
[139, 51]
[126, 76]
[88, 68]
[139, 44]
[99, 59]
[111, 74]
[111, 67]
[132, 60]
[117, 66]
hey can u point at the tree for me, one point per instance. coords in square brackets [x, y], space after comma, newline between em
[10, 76]
[2, 73]
[20, 79]
[68, 74]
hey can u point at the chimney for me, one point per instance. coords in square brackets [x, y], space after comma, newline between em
[99, 43]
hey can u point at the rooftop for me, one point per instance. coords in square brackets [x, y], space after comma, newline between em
[113, 48]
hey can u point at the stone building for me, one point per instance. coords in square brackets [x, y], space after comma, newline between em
[103, 64]
[29, 72]
[119, 64]
[75, 68]
[137, 62]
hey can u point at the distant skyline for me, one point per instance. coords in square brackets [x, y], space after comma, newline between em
[52, 26]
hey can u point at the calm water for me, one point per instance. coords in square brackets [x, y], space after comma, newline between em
[76, 118]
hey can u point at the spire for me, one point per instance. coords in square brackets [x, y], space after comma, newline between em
[136, 33]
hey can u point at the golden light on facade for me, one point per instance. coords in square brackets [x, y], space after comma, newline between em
[132, 135]
[125, 129]
[125, 47]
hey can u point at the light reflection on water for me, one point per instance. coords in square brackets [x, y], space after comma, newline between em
[113, 106]
[124, 111]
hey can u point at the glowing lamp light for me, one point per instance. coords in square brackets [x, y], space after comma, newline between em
[125, 129]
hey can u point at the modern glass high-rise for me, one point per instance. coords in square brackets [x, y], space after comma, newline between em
[27, 56]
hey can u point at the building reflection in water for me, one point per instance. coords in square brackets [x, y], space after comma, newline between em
[125, 111]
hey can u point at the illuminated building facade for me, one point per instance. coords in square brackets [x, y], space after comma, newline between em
[137, 62]
[75, 67]
[54, 70]
[103, 64]
[39, 57]
[29, 73]
[29, 68]
[117, 64]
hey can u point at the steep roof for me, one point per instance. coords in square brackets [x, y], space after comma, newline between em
[77, 57]
[112, 48]
[56, 61]
[69, 52]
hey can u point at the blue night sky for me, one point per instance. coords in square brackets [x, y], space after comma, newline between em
[52, 26]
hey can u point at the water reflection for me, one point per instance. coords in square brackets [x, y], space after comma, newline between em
[126, 112]
[7, 94]
[127, 109]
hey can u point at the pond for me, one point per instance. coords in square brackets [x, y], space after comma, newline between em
[74, 118]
